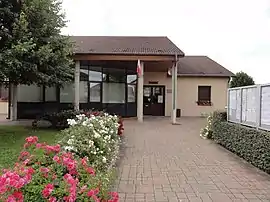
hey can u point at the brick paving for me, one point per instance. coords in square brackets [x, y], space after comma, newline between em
[162, 162]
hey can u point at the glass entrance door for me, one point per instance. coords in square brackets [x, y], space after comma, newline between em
[154, 100]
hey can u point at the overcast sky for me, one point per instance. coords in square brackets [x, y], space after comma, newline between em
[235, 33]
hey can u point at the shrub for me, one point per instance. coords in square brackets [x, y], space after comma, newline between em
[250, 144]
[57, 119]
[45, 173]
[96, 137]
[207, 131]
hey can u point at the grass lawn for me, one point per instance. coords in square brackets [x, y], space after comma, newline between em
[12, 139]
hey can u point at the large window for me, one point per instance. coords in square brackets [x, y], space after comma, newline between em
[30, 93]
[67, 94]
[114, 93]
[204, 95]
[112, 82]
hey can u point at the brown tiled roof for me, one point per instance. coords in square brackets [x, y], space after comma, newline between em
[201, 66]
[125, 45]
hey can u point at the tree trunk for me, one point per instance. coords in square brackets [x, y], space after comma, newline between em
[14, 100]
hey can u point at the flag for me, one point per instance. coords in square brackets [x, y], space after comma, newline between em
[139, 70]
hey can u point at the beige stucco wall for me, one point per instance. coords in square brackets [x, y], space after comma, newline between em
[187, 93]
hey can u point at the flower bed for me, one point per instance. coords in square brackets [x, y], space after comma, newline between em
[78, 168]
[45, 173]
[94, 136]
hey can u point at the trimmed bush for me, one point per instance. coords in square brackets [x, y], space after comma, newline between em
[248, 143]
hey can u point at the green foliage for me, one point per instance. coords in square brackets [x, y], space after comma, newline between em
[250, 144]
[12, 139]
[58, 120]
[241, 79]
[32, 50]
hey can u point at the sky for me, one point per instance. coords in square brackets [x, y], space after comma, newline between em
[235, 33]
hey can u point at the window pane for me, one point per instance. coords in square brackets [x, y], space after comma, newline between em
[31, 93]
[114, 75]
[95, 73]
[113, 93]
[83, 91]
[204, 93]
[95, 92]
[67, 93]
[84, 74]
[131, 93]
[132, 79]
[50, 94]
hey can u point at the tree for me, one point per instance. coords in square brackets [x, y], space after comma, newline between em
[32, 49]
[241, 79]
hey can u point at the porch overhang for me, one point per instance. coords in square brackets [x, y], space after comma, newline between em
[118, 57]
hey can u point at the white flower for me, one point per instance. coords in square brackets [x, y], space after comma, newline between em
[104, 159]
[91, 143]
[71, 122]
[96, 134]
[84, 123]
[70, 141]
[70, 148]
[101, 152]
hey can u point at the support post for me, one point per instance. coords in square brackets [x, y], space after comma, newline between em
[77, 86]
[140, 93]
[174, 92]
[14, 101]
[258, 106]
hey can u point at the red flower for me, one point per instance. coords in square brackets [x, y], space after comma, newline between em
[84, 161]
[90, 171]
[24, 155]
[31, 139]
[57, 159]
[18, 195]
[52, 199]
[47, 190]
[53, 149]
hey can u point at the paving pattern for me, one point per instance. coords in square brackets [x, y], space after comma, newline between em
[164, 162]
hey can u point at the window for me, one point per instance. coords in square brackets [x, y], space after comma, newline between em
[67, 94]
[114, 92]
[83, 91]
[114, 75]
[30, 93]
[95, 92]
[204, 95]
[95, 73]
[50, 94]
[131, 93]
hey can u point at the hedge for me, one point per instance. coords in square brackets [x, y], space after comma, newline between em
[248, 143]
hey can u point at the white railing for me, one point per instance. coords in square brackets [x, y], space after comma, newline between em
[250, 105]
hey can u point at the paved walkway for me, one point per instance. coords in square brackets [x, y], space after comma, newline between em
[162, 162]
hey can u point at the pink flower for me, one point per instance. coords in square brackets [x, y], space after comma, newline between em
[90, 171]
[11, 198]
[53, 149]
[24, 155]
[47, 190]
[32, 139]
[45, 171]
[84, 161]
[52, 199]
[57, 159]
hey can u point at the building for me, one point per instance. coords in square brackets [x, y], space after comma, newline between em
[106, 79]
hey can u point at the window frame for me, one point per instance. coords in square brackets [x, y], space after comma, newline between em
[201, 101]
